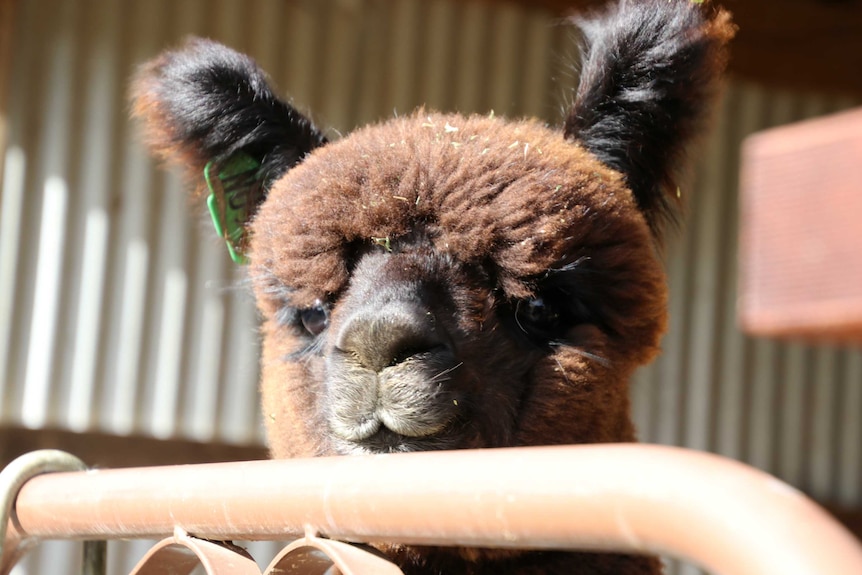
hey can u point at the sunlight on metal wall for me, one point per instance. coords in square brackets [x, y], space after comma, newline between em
[120, 312]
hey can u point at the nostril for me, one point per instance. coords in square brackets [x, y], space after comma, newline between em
[387, 338]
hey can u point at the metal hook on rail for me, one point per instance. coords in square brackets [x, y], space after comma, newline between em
[12, 478]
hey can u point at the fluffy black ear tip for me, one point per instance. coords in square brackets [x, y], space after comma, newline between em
[177, 95]
[205, 102]
[650, 72]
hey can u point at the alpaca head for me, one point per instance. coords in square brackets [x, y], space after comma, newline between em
[445, 281]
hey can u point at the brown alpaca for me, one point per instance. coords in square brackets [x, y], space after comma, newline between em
[447, 282]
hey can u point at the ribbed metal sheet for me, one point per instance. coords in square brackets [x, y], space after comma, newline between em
[784, 407]
[119, 311]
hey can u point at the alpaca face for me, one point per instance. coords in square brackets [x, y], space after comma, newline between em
[411, 305]
[447, 281]
[401, 363]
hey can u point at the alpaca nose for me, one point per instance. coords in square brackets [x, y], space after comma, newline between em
[382, 338]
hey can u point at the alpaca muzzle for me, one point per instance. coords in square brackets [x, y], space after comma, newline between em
[390, 378]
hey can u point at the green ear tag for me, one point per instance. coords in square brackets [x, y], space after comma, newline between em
[234, 194]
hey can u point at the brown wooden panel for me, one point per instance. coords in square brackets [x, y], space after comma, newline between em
[801, 236]
[810, 45]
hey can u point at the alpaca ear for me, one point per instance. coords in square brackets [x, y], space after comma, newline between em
[211, 111]
[649, 72]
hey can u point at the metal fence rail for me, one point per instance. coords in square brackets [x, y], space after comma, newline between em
[718, 513]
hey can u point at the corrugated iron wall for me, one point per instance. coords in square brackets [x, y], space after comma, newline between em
[784, 407]
[120, 312]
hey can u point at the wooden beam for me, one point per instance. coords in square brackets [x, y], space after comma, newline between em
[806, 45]
[103, 450]
[812, 45]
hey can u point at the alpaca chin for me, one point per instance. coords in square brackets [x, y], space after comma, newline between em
[386, 441]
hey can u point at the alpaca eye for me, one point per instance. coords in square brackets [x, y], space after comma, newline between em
[537, 316]
[550, 317]
[314, 319]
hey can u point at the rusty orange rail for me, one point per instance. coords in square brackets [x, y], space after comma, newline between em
[720, 514]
